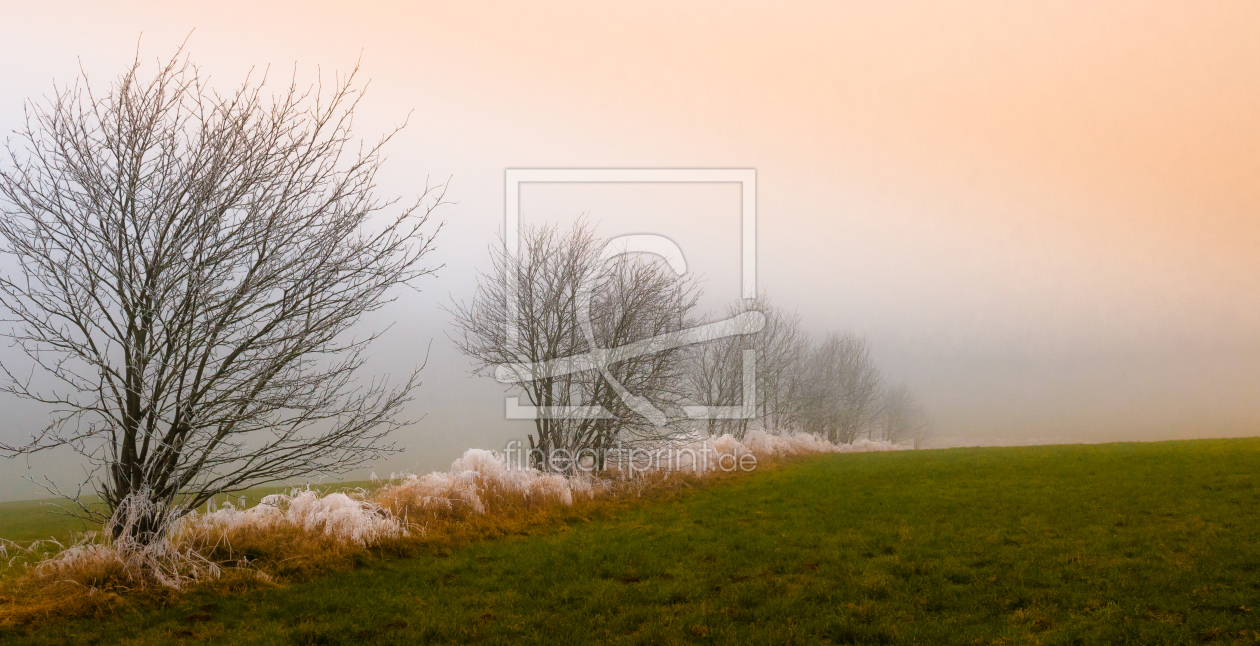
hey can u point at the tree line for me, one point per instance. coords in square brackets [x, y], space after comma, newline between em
[529, 310]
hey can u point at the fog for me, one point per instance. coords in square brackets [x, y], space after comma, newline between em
[1044, 221]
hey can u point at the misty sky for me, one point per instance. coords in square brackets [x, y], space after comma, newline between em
[1043, 216]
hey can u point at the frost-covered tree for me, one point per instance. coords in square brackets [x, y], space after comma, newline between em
[901, 418]
[184, 270]
[633, 299]
[840, 389]
[715, 370]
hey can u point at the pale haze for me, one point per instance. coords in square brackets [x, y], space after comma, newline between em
[1045, 218]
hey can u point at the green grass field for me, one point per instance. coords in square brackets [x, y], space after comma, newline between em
[1103, 544]
[30, 520]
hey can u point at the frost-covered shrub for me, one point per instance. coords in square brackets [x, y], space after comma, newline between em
[435, 494]
[346, 519]
[765, 444]
[124, 555]
[478, 482]
[726, 453]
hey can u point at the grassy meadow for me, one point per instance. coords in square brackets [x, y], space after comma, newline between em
[29, 520]
[1151, 543]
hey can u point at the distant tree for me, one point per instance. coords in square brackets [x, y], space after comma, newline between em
[714, 377]
[540, 288]
[901, 418]
[782, 353]
[715, 370]
[188, 267]
[840, 389]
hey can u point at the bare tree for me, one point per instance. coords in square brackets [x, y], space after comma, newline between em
[572, 304]
[782, 351]
[901, 418]
[841, 388]
[715, 370]
[188, 268]
[714, 377]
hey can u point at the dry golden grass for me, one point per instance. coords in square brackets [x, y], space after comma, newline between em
[510, 515]
[82, 588]
[249, 557]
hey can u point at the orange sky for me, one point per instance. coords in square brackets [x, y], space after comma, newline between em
[1116, 100]
[1113, 100]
